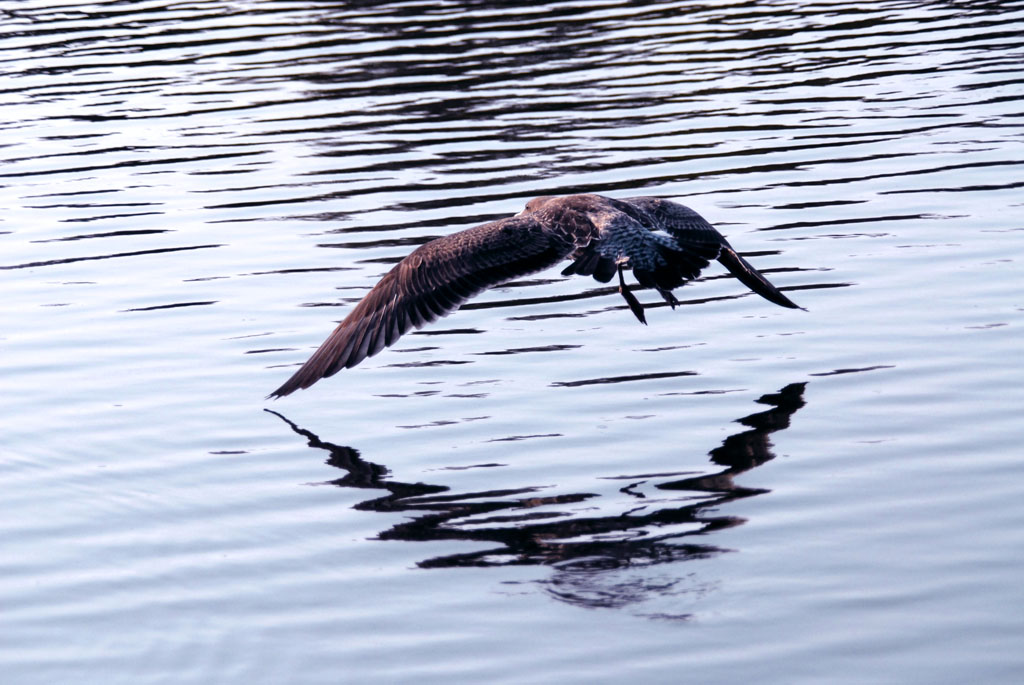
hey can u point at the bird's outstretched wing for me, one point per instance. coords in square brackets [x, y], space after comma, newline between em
[752, 278]
[430, 283]
[691, 231]
[686, 226]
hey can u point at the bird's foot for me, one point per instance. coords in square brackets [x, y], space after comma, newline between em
[669, 297]
[634, 304]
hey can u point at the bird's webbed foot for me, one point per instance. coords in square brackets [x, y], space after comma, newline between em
[634, 304]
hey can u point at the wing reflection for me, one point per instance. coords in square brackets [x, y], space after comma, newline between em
[653, 523]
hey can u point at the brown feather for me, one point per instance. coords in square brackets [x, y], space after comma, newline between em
[663, 243]
[430, 283]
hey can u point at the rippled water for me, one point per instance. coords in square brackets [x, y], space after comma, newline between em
[536, 489]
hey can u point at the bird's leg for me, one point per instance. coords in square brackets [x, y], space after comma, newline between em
[634, 304]
[669, 297]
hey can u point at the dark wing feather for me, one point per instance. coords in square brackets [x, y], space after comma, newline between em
[695, 235]
[430, 283]
[631, 236]
[689, 229]
[752, 278]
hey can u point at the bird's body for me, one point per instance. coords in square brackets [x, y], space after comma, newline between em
[665, 244]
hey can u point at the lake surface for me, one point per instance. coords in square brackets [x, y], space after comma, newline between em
[536, 489]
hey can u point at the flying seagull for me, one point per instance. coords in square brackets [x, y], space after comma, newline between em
[664, 243]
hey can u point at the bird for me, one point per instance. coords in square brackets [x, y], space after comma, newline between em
[664, 243]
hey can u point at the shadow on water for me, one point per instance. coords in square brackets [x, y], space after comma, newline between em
[661, 522]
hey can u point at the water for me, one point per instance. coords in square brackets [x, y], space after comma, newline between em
[536, 489]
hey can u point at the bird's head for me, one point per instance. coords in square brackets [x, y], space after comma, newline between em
[536, 203]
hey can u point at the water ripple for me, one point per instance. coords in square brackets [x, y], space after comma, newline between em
[865, 155]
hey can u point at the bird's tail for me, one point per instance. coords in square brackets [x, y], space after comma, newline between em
[752, 278]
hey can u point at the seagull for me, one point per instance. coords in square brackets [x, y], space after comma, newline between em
[664, 243]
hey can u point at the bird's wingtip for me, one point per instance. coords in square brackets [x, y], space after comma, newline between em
[788, 303]
[281, 392]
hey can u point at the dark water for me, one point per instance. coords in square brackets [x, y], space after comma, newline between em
[536, 489]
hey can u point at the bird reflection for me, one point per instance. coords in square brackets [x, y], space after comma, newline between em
[525, 526]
